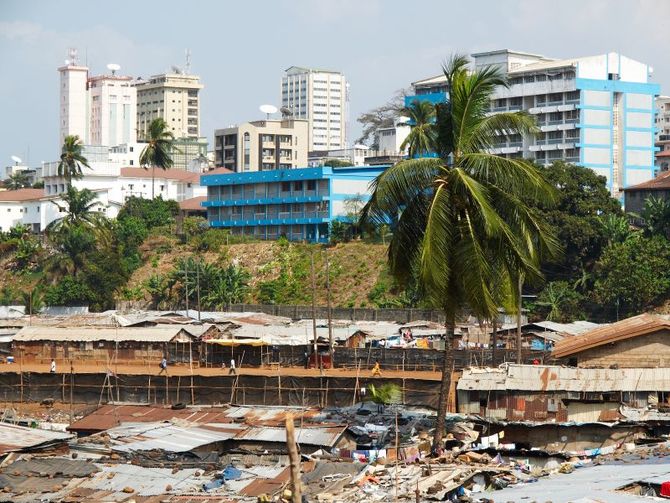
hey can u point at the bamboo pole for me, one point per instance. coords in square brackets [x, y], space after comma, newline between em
[294, 459]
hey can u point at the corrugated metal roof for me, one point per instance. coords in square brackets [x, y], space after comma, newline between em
[132, 437]
[322, 436]
[574, 328]
[92, 334]
[145, 481]
[16, 438]
[555, 378]
[636, 326]
[109, 416]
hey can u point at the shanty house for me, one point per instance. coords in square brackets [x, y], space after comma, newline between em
[101, 345]
[639, 342]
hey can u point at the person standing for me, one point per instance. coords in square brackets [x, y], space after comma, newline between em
[53, 366]
[163, 366]
[376, 370]
[232, 369]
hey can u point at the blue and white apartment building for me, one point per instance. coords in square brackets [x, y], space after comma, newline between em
[595, 111]
[296, 203]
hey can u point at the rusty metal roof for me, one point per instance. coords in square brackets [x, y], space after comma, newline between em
[555, 378]
[636, 326]
[18, 438]
[109, 416]
[320, 436]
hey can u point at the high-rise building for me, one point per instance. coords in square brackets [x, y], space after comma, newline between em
[74, 113]
[101, 109]
[262, 145]
[321, 97]
[113, 109]
[595, 111]
[173, 97]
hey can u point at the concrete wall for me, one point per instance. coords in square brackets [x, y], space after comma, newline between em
[648, 351]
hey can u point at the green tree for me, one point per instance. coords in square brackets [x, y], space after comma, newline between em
[158, 289]
[583, 201]
[72, 246]
[152, 212]
[386, 394]
[18, 180]
[656, 216]
[69, 291]
[560, 302]
[465, 226]
[72, 159]
[632, 276]
[157, 153]
[421, 138]
[33, 299]
[27, 252]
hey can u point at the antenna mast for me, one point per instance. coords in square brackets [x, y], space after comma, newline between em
[187, 68]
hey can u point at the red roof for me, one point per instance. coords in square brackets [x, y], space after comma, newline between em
[661, 182]
[219, 171]
[163, 174]
[22, 195]
[193, 204]
[665, 153]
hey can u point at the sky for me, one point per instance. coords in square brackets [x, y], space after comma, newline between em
[241, 48]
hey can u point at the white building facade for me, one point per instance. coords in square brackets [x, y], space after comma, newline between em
[175, 97]
[321, 97]
[101, 110]
[595, 111]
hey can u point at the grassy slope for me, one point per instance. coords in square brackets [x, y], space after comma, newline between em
[355, 267]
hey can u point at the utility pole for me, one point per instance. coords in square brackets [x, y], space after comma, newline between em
[186, 284]
[316, 349]
[330, 314]
[197, 282]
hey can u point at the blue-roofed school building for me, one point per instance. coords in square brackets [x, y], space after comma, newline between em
[594, 111]
[298, 204]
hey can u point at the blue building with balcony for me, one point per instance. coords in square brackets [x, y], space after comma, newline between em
[298, 204]
[594, 111]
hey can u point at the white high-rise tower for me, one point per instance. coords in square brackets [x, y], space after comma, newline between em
[73, 98]
[320, 97]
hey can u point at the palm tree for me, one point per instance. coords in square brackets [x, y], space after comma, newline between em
[230, 286]
[465, 221]
[17, 180]
[78, 207]
[72, 159]
[157, 153]
[616, 228]
[422, 135]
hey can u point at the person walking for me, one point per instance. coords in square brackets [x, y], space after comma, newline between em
[376, 370]
[53, 366]
[163, 366]
[232, 369]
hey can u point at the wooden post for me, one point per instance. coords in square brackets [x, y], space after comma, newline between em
[331, 343]
[178, 387]
[149, 391]
[316, 349]
[294, 459]
[192, 392]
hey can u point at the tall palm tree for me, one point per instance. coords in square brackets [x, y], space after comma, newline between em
[465, 221]
[157, 153]
[78, 208]
[421, 137]
[72, 159]
[17, 180]
[656, 216]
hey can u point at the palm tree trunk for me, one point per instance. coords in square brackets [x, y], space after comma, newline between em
[519, 357]
[153, 181]
[445, 385]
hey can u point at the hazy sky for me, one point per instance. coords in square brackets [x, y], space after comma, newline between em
[240, 49]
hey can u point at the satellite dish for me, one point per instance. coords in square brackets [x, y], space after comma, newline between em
[268, 109]
[113, 67]
[16, 159]
[286, 111]
[67, 62]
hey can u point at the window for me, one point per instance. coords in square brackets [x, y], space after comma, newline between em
[297, 186]
[286, 186]
[311, 184]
